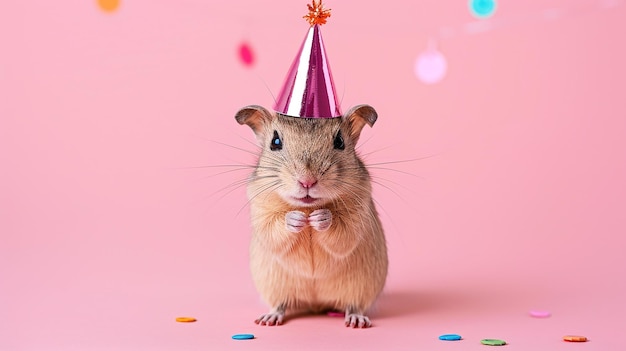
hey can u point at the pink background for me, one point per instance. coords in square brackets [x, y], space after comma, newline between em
[108, 232]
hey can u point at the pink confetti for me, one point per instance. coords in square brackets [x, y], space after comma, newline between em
[335, 314]
[539, 314]
[245, 54]
[431, 66]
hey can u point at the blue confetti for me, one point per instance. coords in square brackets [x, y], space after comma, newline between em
[482, 8]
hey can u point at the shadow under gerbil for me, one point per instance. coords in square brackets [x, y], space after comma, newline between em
[412, 302]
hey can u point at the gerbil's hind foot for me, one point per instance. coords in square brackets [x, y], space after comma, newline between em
[274, 317]
[356, 320]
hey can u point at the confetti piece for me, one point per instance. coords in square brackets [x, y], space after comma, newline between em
[335, 314]
[108, 5]
[539, 314]
[482, 8]
[450, 337]
[246, 55]
[574, 338]
[493, 342]
[431, 66]
[185, 319]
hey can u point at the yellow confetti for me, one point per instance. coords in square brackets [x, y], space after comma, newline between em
[185, 319]
[109, 5]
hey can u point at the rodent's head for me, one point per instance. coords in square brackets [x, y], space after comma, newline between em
[309, 161]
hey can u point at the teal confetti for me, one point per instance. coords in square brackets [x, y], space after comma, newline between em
[482, 8]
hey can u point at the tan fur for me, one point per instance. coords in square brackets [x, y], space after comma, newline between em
[343, 267]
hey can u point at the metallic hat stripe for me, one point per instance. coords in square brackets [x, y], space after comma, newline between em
[309, 91]
[301, 77]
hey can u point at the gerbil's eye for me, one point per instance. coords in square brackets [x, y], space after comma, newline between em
[339, 144]
[276, 144]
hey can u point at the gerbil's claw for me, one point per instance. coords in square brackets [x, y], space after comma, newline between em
[357, 321]
[295, 221]
[272, 318]
[321, 219]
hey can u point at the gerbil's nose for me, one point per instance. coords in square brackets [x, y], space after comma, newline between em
[307, 181]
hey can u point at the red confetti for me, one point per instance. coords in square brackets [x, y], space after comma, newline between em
[246, 55]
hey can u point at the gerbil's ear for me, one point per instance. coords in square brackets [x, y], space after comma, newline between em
[254, 116]
[357, 117]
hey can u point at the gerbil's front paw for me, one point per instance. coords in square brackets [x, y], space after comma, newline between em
[272, 318]
[321, 219]
[296, 221]
[357, 321]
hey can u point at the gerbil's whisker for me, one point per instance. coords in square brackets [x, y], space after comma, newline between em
[376, 178]
[267, 87]
[397, 171]
[244, 181]
[250, 142]
[351, 210]
[232, 186]
[401, 161]
[265, 188]
[220, 173]
[343, 93]
[379, 205]
[230, 146]
[360, 201]
[374, 151]
[234, 147]
[236, 168]
[391, 189]
[360, 145]
[239, 167]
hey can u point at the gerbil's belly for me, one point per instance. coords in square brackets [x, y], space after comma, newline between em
[303, 260]
[301, 278]
[308, 260]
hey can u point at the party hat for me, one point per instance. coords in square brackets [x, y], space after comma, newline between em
[309, 91]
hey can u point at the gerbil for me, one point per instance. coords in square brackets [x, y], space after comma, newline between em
[317, 241]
